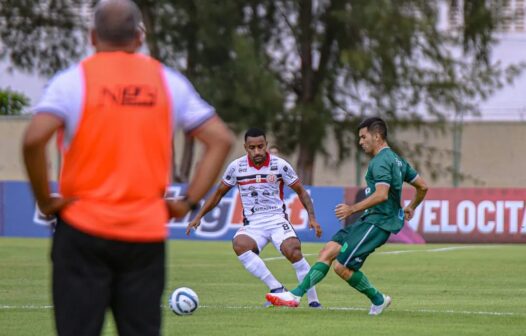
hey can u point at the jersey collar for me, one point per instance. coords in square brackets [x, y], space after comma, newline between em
[381, 149]
[265, 164]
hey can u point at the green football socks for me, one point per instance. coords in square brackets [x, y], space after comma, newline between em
[360, 282]
[317, 272]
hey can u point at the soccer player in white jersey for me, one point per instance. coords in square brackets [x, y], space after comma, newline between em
[260, 177]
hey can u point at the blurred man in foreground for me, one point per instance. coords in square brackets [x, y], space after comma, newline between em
[117, 111]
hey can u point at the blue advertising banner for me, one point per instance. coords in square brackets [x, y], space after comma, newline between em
[462, 215]
[18, 212]
[19, 216]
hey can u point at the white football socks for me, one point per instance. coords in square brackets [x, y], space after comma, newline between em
[302, 267]
[253, 263]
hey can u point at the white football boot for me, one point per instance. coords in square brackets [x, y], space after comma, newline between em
[281, 289]
[286, 299]
[377, 310]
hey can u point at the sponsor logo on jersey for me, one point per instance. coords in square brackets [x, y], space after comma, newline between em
[230, 173]
[263, 208]
[129, 95]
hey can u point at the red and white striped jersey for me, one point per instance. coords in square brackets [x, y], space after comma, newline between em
[261, 189]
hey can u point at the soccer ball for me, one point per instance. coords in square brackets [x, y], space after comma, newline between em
[183, 301]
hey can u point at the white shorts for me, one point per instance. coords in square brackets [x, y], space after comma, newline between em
[262, 234]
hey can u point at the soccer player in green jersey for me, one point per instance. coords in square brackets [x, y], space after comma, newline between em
[383, 215]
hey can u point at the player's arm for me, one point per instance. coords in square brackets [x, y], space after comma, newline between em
[38, 133]
[210, 203]
[307, 204]
[420, 186]
[217, 140]
[380, 195]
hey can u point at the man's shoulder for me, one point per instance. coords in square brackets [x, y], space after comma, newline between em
[276, 161]
[239, 162]
[386, 155]
[389, 159]
[175, 79]
[396, 158]
[67, 76]
[377, 160]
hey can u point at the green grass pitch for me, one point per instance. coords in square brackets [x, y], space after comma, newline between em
[436, 290]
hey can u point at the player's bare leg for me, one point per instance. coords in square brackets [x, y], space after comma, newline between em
[244, 243]
[329, 252]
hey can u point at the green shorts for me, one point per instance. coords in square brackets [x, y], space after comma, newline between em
[358, 241]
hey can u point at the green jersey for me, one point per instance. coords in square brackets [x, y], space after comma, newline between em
[386, 167]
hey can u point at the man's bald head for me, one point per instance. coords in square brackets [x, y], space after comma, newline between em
[117, 21]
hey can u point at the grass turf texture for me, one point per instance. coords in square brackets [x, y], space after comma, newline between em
[473, 290]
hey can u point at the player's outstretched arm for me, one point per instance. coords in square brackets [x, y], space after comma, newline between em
[210, 203]
[307, 204]
[421, 189]
[380, 195]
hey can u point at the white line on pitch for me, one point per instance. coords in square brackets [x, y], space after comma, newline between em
[282, 257]
[426, 311]
[440, 249]
[26, 307]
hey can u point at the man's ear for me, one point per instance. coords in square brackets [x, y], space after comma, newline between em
[93, 36]
[141, 37]
[141, 30]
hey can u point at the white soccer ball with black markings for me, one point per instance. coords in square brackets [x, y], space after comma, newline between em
[183, 301]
